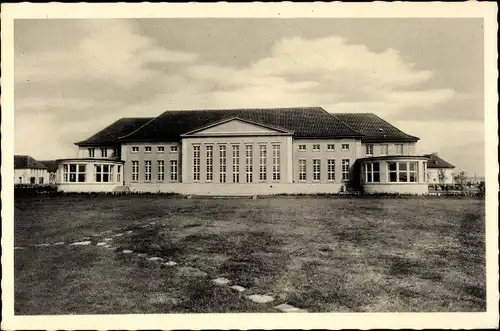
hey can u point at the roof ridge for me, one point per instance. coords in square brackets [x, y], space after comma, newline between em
[140, 127]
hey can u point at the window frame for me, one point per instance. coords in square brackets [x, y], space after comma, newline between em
[209, 162]
[330, 147]
[331, 170]
[160, 170]
[222, 163]
[346, 169]
[235, 153]
[345, 147]
[174, 149]
[316, 170]
[135, 170]
[196, 163]
[316, 147]
[160, 149]
[276, 162]
[302, 170]
[369, 149]
[134, 149]
[249, 163]
[174, 170]
[302, 147]
[148, 165]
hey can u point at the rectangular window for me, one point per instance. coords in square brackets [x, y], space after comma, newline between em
[104, 152]
[302, 147]
[403, 172]
[302, 170]
[74, 173]
[263, 162]
[160, 149]
[372, 172]
[345, 169]
[147, 171]
[147, 149]
[249, 163]
[135, 149]
[135, 171]
[173, 170]
[91, 152]
[316, 169]
[384, 149]
[399, 149]
[276, 162]
[331, 169]
[161, 170]
[196, 163]
[330, 147]
[173, 149]
[345, 147]
[425, 172]
[103, 173]
[316, 147]
[222, 163]
[210, 163]
[369, 149]
[40, 180]
[236, 164]
[119, 174]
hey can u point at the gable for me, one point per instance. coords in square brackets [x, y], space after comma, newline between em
[236, 127]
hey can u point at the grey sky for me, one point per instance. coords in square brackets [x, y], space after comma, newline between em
[73, 77]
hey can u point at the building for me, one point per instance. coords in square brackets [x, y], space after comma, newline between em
[437, 166]
[247, 151]
[27, 170]
[51, 169]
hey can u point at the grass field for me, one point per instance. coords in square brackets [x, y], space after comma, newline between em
[320, 254]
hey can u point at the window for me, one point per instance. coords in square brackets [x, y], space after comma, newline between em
[160, 149]
[345, 169]
[302, 170]
[147, 149]
[91, 152]
[104, 152]
[173, 170]
[196, 162]
[399, 149]
[147, 171]
[345, 147]
[262, 162]
[383, 149]
[316, 147]
[403, 172]
[40, 180]
[135, 149]
[276, 162]
[331, 169]
[330, 147]
[118, 174]
[302, 147]
[372, 172]
[249, 163]
[210, 163]
[316, 169]
[74, 173]
[173, 149]
[161, 170]
[135, 171]
[222, 163]
[369, 149]
[103, 173]
[425, 171]
[115, 153]
[236, 164]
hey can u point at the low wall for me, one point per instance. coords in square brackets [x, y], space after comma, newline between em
[88, 187]
[401, 188]
[236, 189]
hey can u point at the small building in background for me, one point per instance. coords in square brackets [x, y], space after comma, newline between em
[29, 171]
[51, 169]
[437, 165]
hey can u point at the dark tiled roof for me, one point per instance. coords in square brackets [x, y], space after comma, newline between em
[27, 162]
[110, 134]
[374, 128]
[435, 162]
[50, 164]
[307, 122]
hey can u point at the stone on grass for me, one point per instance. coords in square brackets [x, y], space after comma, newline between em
[42, 245]
[18, 247]
[118, 235]
[191, 272]
[81, 243]
[142, 255]
[108, 239]
[155, 258]
[58, 243]
[129, 232]
[101, 244]
[221, 281]
[127, 251]
[170, 263]
[238, 288]
[286, 308]
[260, 298]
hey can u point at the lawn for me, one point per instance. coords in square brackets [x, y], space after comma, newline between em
[316, 253]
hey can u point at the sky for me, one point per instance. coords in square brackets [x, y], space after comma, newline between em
[73, 77]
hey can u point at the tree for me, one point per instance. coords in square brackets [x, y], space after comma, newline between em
[460, 180]
[442, 177]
